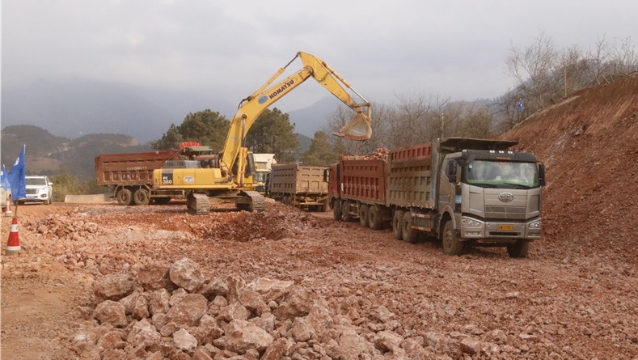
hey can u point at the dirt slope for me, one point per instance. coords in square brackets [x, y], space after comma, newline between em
[589, 143]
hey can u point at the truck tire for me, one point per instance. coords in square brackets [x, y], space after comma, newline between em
[363, 215]
[124, 197]
[450, 239]
[345, 211]
[409, 234]
[141, 197]
[375, 220]
[518, 249]
[397, 225]
[336, 210]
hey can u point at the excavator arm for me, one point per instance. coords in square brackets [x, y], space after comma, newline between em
[251, 107]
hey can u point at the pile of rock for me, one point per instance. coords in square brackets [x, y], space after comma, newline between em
[379, 154]
[64, 228]
[176, 313]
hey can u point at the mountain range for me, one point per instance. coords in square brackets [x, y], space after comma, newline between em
[74, 108]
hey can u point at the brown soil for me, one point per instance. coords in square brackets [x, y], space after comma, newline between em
[575, 297]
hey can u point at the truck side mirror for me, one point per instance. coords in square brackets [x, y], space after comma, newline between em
[541, 174]
[450, 171]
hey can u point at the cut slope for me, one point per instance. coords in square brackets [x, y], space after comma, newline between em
[589, 143]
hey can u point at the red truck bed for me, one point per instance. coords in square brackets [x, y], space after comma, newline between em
[363, 179]
[129, 169]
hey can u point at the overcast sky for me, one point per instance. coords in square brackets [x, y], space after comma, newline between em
[450, 48]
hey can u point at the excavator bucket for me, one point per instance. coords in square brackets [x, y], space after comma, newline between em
[357, 129]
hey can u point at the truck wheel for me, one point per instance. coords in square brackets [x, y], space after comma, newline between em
[375, 220]
[451, 243]
[519, 249]
[336, 210]
[141, 197]
[397, 225]
[345, 211]
[363, 215]
[409, 234]
[124, 197]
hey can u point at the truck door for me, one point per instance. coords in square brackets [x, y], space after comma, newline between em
[449, 176]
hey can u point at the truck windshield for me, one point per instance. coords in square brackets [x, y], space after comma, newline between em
[506, 173]
[260, 176]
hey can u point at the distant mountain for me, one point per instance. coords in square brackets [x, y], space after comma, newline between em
[311, 119]
[78, 107]
[75, 108]
[47, 154]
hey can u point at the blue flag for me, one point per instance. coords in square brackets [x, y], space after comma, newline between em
[17, 178]
[4, 178]
[520, 105]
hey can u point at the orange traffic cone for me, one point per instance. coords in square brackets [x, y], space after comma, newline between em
[7, 209]
[13, 245]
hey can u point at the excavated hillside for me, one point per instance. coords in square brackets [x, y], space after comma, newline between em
[589, 143]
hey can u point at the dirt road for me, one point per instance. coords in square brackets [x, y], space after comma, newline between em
[479, 305]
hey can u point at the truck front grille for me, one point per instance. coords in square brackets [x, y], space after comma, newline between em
[505, 212]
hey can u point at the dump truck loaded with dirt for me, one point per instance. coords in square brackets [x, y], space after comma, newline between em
[464, 191]
[300, 186]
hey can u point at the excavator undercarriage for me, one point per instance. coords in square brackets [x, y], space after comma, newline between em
[200, 203]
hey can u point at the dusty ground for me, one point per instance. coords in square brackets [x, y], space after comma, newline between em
[553, 304]
[575, 297]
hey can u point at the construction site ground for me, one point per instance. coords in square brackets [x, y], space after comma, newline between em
[557, 303]
[574, 297]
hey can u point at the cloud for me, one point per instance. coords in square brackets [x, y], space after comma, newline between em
[450, 48]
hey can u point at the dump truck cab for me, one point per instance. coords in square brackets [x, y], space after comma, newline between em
[491, 197]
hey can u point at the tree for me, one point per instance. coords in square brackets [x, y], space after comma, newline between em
[320, 153]
[273, 133]
[532, 68]
[206, 127]
[170, 139]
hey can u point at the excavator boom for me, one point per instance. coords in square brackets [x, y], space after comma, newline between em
[250, 108]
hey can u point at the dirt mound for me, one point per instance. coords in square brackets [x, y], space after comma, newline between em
[589, 143]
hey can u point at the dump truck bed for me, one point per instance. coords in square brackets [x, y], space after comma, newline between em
[410, 176]
[297, 179]
[129, 169]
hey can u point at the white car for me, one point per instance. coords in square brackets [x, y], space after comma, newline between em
[39, 189]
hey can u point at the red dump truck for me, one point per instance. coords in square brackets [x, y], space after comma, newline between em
[300, 186]
[130, 176]
[466, 192]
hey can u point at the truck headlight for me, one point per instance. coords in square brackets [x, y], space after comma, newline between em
[470, 223]
[535, 225]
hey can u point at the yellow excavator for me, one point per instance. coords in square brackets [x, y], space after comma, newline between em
[230, 178]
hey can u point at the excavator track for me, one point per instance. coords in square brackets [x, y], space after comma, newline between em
[256, 203]
[198, 204]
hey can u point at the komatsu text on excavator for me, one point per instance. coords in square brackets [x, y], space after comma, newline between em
[230, 180]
